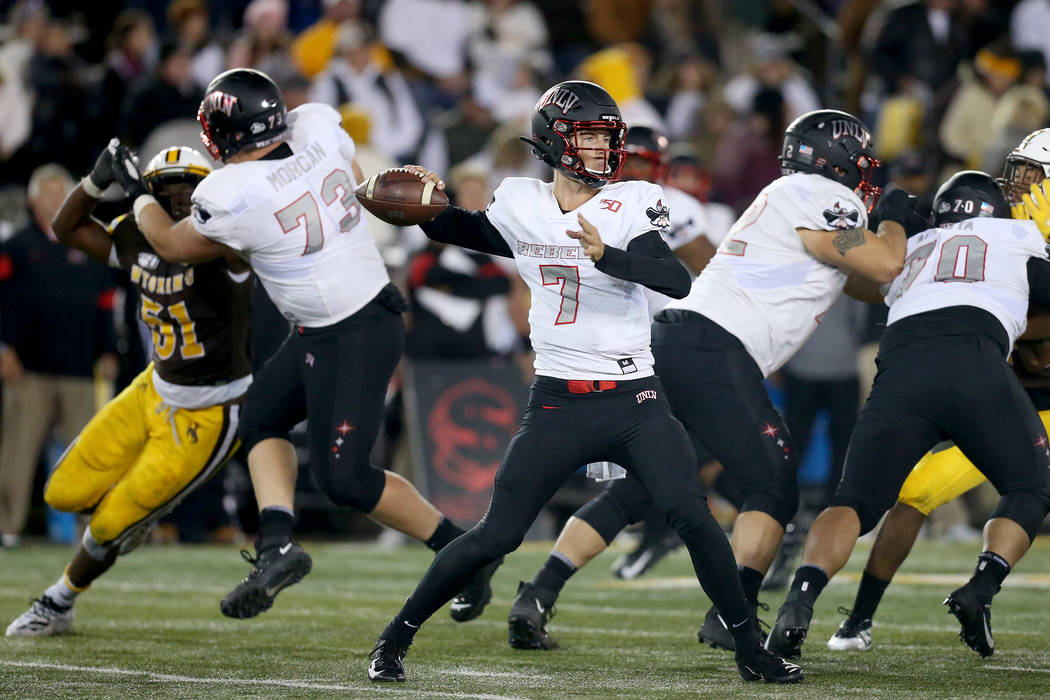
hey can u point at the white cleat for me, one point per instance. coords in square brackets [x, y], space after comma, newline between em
[852, 635]
[43, 619]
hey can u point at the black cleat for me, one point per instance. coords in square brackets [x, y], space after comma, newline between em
[789, 632]
[760, 664]
[975, 618]
[471, 602]
[645, 556]
[528, 620]
[273, 570]
[779, 575]
[715, 632]
[386, 662]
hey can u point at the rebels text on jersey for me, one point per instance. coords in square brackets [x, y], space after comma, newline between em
[298, 222]
[977, 262]
[584, 323]
[763, 286]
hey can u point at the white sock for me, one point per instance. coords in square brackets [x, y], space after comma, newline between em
[62, 593]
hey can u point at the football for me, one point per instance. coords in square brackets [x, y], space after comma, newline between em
[400, 197]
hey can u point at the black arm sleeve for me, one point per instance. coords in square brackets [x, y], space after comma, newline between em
[468, 229]
[1039, 282]
[649, 262]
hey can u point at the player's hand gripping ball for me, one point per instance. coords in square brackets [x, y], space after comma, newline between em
[403, 196]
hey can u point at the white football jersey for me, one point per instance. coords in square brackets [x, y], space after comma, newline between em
[978, 262]
[763, 286]
[584, 324]
[688, 222]
[297, 221]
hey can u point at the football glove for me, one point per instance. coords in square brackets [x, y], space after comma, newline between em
[1037, 206]
[102, 174]
[1017, 212]
[126, 172]
[900, 206]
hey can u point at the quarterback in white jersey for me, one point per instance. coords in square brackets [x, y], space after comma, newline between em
[285, 202]
[585, 244]
[955, 310]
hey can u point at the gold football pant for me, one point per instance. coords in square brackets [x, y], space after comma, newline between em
[138, 458]
[942, 477]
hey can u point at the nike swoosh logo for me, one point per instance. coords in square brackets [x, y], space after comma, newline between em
[987, 632]
[459, 606]
[284, 550]
[539, 607]
[409, 624]
[633, 571]
[274, 590]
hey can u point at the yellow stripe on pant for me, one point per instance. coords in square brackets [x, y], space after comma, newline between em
[138, 457]
[943, 477]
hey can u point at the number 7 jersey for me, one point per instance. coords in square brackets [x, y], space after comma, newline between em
[297, 221]
[584, 324]
[979, 262]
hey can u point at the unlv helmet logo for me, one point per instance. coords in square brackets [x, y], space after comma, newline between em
[218, 100]
[560, 97]
[842, 127]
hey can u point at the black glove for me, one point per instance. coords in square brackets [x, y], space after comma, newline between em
[899, 206]
[126, 173]
[102, 175]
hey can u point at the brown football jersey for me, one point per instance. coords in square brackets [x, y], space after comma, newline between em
[198, 315]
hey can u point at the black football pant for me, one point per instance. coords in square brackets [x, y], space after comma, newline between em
[942, 375]
[630, 425]
[335, 378]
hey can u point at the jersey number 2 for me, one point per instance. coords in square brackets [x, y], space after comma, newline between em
[569, 279]
[304, 210]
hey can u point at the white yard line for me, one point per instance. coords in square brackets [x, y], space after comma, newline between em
[254, 682]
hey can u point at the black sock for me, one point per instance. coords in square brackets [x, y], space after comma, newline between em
[275, 528]
[751, 580]
[989, 574]
[402, 629]
[869, 595]
[809, 582]
[445, 532]
[551, 579]
[725, 487]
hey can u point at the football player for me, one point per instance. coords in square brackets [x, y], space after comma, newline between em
[586, 245]
[176, 424]
[955, 310]
[285, 202]
[942, 476]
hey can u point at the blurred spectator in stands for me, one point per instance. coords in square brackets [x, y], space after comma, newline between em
[131, 57]
[617, 21]
[821, 376]
[27, 22]
[912, 172]
[919, 47]
[361, 73]
[505, 155]
[317, 44]
[170, 93]
[623, 71]
[964, 134]
[570, 40]
[466, 128]
[1028, 28]
[507, 45]
[748, 155]
[431, 35]
[1022, 110]
[684, 28]
[772, 69]
[264, 40]
[1034, 71]
[459, 297]
[188, 19]
[686, 171]
[694, 79]
[55, 322]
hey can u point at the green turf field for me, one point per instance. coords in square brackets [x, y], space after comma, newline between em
[152, 628]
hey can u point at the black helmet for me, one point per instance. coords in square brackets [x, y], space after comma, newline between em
[241, 109]
[836, 145]
[562, 112]
[966, 195]
[646, 144]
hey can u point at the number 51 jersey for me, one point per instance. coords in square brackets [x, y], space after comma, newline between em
[584, 324]
[298, 222]
[977, 262]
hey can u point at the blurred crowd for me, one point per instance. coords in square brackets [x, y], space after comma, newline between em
[451, 84]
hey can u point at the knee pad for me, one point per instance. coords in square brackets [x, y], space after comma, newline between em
[610, 512]
[1024, 508]
[358, 487]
